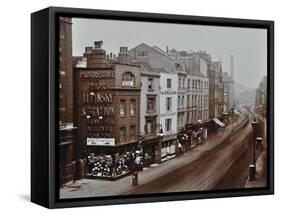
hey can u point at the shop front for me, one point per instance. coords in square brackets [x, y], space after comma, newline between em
[148, 155]
[168, 147]
[218, 124]
[186, 136]
[226, 118]
[112, 162]
[67, 164]
[200, 135]
[194, 134]
[149, 147]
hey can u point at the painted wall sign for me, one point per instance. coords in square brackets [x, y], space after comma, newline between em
[97, 107]
[97, 74]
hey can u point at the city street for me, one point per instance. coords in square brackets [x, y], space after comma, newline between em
[140, 118]
[225, 164]
[221, 162]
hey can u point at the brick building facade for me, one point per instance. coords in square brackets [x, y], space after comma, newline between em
[66, 126]
[107, 107]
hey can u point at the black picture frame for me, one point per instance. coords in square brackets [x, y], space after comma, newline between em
[44, 88]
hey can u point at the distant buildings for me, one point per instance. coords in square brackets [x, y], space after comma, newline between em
[226, 86]
[197, 88]
[231, 84]
[215, 89]
[197, 96]
[261, 96]
[228, 83]
[214, 85]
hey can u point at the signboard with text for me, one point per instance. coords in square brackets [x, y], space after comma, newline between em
[100, 141]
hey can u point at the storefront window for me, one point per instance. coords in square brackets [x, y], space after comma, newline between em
[172, 149]
[168, 150]
[107, 166]
[148, 154]
[163, 151]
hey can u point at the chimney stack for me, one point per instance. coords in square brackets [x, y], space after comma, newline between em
[123, 56]
[97, 57]
[88, 49]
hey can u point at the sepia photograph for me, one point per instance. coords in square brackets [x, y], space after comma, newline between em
[151, 107]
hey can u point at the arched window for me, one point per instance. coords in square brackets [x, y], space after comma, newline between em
[128, 79]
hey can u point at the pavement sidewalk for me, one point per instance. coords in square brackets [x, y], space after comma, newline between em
[261, 165]
[261, 173]
[95, 187]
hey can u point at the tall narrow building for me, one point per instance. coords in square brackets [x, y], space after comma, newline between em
[162, 64]
[66, 126]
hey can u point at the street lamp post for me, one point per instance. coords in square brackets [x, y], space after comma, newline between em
[232, 118]
[137, 162]
[259, 142]
[252, 167]
[160, 135]
[199, 129]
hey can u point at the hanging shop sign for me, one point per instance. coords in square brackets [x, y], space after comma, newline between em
[100, 141]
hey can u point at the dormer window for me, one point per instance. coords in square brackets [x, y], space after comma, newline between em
[128, 79]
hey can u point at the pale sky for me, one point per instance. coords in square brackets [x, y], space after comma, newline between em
[248, 45]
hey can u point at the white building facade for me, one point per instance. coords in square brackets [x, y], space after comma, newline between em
[168, 113]
[161, 63]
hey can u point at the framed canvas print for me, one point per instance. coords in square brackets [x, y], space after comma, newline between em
[139, 107]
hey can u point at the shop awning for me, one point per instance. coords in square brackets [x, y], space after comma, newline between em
[236, 112]
[218, 122]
